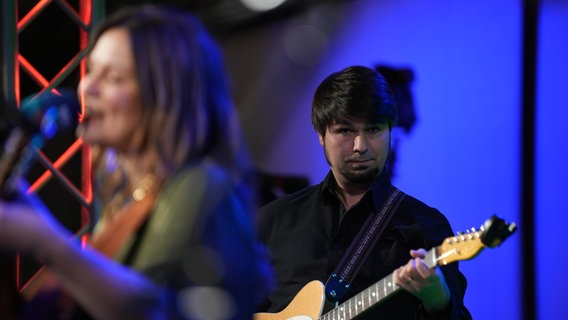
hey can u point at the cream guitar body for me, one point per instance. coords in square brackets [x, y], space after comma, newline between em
[306, 305]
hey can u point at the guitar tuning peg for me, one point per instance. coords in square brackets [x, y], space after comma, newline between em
[470, 235]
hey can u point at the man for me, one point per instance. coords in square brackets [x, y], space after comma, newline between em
[308, 232]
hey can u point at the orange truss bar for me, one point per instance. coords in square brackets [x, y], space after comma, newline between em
[32, 14]
[89, 12]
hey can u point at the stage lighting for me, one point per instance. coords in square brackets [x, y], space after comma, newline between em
[262, 5]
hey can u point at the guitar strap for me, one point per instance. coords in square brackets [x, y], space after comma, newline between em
[340, 280]
[124, 225]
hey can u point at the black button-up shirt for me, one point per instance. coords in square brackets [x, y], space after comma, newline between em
[308, 232]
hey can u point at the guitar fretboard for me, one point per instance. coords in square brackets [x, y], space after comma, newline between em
[372, 295]
[363, 300]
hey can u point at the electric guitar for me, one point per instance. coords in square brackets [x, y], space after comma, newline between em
[308, 303]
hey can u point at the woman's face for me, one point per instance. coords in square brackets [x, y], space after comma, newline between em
[113, 107]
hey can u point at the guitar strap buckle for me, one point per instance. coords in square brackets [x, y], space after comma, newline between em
[336, 287]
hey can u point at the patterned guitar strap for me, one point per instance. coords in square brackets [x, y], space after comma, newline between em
[340, 280]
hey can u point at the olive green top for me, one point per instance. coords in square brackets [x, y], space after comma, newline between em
[199, 238]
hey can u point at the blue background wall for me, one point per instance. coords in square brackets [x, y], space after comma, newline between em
[552, 159]
[463, 155]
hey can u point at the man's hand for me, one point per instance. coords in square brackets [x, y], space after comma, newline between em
[429, 285]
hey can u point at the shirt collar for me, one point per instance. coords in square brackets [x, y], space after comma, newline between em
[379, 188]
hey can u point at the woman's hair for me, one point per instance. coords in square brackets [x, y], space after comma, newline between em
[188, 112]
[355, 92]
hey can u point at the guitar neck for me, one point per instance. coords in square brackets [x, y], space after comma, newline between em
[374, 294]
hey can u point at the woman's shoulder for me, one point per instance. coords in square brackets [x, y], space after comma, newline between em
[200, 174]
[195, 185]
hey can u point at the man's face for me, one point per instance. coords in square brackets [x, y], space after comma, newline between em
[355, 150]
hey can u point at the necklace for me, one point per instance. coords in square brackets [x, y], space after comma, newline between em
[143, 187]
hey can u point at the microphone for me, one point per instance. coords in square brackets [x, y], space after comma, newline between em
[39, 118]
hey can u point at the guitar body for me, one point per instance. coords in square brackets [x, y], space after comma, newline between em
[307, 304]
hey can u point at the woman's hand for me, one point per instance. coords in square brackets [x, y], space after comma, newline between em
[27, 226]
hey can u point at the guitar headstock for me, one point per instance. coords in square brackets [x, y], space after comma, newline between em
[496, 230]
[467, 245]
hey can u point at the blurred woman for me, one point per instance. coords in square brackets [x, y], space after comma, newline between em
[174, 235]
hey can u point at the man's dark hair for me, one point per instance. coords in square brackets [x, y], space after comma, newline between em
[355, 92]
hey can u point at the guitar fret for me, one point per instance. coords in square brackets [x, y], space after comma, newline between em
[357, 304]
[377, 293]
[391, 285]
[369, 294]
